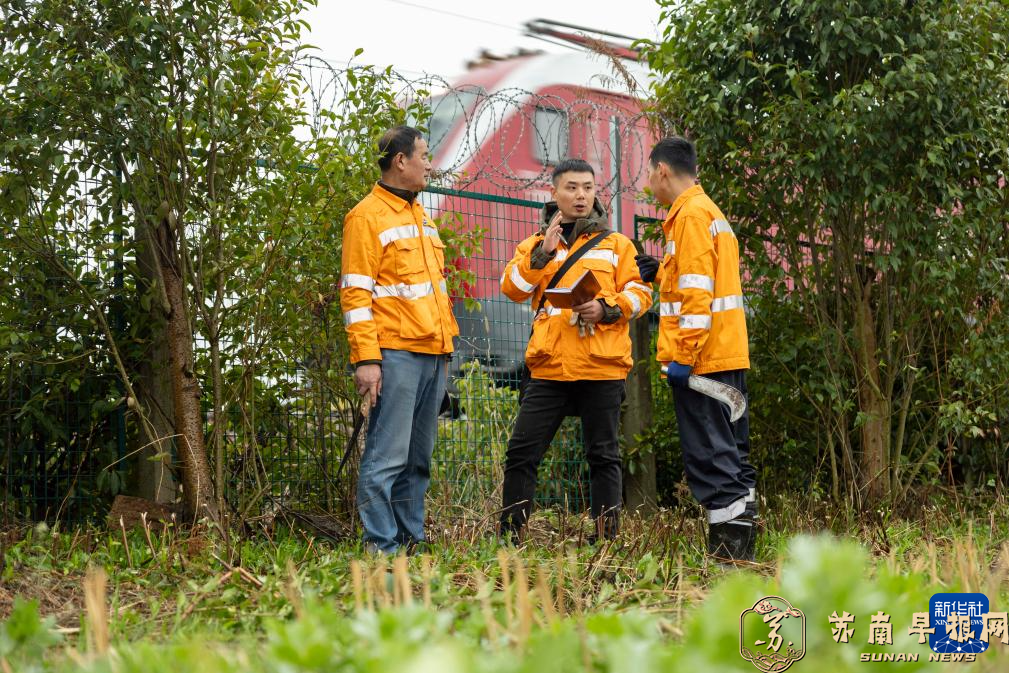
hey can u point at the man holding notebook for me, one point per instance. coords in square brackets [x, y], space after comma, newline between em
[578, 357]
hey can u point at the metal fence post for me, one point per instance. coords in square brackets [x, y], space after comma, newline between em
[616, 209]
[639, 485]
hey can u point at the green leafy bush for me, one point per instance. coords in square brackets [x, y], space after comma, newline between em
[818, 575]
[25, 637]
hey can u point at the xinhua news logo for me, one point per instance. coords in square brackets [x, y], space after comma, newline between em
[958, 620]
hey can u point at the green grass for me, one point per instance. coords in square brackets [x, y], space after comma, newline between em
[652, 601]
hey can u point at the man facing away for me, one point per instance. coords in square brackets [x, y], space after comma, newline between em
[702, 330]
[578, 359]
[400, 326]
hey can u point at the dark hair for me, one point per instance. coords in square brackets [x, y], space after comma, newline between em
[676, 152]
[394, 141]
[572, 166]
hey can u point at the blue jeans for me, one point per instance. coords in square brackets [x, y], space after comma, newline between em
[396, 465]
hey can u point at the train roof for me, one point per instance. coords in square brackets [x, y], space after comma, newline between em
[536, 72]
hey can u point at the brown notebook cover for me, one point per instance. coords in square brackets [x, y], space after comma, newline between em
[584, 289]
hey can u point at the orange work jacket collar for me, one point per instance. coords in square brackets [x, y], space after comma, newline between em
[682, 199]
[396, 203]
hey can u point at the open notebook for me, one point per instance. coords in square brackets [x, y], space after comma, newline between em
[584, 289]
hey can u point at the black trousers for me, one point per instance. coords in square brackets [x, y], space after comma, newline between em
[716, 452]
[544, 406]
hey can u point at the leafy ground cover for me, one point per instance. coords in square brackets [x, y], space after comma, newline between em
[287, 602]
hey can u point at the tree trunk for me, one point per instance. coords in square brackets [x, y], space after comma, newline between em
[872, 404]
[639, 486]
[197, 484]
[154, 479]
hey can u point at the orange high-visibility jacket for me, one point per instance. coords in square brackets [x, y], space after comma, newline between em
[556, 351]
[701, 318]
[392, 290]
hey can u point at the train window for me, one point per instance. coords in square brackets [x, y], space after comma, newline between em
[550, 135]
[447, 111]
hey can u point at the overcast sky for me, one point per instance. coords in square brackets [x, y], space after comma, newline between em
[439, 36]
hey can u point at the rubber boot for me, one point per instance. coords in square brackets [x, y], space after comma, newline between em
[733, 540]
[509, 534]
[607, 526]
[752, 512]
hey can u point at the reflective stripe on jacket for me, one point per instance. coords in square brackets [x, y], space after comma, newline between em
[556, 351]
[701, 317]
[392, 290]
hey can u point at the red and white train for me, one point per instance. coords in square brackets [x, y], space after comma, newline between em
[498, 131]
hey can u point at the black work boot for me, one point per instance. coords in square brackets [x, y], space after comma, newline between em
[607, 527]
[733, 540]
[509, 534]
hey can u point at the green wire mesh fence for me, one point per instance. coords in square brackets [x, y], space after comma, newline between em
[488, 361]
[62, 420]
[67, 443]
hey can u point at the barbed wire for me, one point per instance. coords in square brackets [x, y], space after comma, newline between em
[510, 138]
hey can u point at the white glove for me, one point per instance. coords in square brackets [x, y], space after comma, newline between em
[576, 319]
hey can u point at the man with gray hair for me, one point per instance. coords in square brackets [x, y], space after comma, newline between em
[400, 326]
